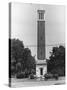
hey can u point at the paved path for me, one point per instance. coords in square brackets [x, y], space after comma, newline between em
[30, 83]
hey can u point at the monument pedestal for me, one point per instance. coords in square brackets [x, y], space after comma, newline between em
[41, 68]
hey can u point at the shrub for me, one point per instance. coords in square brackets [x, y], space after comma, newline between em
[20, 75]
[32, 76]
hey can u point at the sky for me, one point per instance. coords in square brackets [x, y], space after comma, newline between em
[24, 25]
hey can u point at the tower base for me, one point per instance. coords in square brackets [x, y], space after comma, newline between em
[41, 68]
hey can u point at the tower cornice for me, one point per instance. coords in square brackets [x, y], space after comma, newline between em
[41, 11]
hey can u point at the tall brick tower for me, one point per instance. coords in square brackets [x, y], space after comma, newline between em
[41, 66]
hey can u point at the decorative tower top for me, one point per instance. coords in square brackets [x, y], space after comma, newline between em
[41, 14]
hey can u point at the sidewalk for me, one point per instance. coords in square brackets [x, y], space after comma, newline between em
[33, 82]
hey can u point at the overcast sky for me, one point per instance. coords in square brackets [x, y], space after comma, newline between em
[24, 25]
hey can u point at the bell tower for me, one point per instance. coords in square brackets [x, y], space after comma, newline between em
[41, 66]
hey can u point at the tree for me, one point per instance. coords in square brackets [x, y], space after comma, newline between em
[17, 48]
[21, 58]
[29, 60]
[56, 63]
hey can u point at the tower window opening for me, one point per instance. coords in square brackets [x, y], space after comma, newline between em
[41, 16]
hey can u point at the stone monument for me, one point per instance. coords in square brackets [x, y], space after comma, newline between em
[41, 65]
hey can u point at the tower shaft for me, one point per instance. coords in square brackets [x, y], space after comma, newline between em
[41, 40]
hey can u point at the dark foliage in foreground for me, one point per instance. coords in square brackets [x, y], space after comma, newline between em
[56, 64]
[22, 62]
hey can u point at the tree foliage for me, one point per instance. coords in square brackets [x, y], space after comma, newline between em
[21, 58]
[56, 62]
